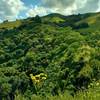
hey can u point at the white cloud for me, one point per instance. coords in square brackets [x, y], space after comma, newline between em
[57, 3]
[1, 21]
[87, 6]
[98, 10]
[10, 9]
[66, 7]
[33, 11]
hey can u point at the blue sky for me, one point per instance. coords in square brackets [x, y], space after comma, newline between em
[30, 4]
[19, 9]
[33, 2]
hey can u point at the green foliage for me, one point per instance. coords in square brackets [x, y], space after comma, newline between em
[81, 25]
[37, 19]
[69, 59]
[90, 94]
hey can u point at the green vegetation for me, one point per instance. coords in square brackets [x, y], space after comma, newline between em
[49, 58]
[10, 25]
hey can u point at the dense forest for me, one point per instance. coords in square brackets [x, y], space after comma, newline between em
[50, 57]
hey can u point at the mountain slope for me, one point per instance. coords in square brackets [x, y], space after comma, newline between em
[93, 21]
[10, 25]
[45, 56]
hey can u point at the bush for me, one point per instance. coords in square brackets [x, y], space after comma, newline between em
[37, 19]
[81, 25]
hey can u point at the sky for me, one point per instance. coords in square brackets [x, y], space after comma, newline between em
[19, 9]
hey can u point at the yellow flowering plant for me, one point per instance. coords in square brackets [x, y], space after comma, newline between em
[38, 78]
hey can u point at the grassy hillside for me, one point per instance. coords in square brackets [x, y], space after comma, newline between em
[10, 25]
[93, 21]
[52, 57]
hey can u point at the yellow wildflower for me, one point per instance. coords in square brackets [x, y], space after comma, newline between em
[97, 84]
[38, 78]
[44, 78]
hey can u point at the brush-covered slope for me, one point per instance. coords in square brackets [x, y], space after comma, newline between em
[10, 25]
[82, 22]
[45, 58]
[93, 22]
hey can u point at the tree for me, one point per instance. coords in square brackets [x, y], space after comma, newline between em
[5, 90]
[81, 25]
[37, 19]
[5, 21]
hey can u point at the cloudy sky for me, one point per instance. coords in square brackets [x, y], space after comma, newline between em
[17, 9]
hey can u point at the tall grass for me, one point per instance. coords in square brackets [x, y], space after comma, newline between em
[86, 95]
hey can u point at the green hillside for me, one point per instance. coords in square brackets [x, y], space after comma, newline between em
[93, 21]
[10, 25]
[51, 57]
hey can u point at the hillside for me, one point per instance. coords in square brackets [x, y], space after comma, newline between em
[45, 56]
